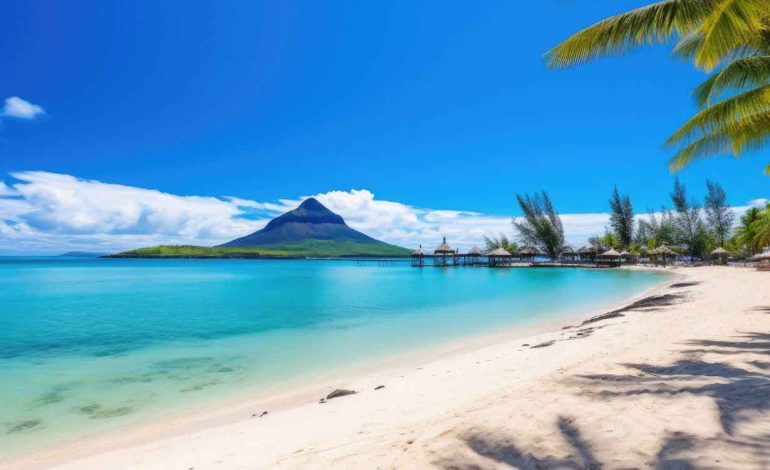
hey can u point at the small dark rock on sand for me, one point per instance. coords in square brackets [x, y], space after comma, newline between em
[379, 387]
[340, 392]
[542, 345]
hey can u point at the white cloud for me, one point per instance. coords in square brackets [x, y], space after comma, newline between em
[5, 190]
[43, 212]
[16, 107]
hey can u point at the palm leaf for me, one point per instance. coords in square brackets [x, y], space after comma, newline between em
[724, 114]
[737, 75]
[748, 134]
[733, 25]
[652, 24]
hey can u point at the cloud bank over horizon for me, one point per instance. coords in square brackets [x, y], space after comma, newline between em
[48, 213]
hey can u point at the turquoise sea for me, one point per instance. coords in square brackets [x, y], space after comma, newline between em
[89, 345]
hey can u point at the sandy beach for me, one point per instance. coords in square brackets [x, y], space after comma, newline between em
[677, 379]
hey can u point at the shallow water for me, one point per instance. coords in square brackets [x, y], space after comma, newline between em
[86, 345]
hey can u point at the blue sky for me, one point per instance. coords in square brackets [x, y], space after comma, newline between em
[445, 106]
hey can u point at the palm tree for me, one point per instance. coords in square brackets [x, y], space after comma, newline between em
[729, 36]
[746, 233]
[761, 228]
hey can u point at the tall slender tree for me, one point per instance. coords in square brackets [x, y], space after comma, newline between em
[690, 229]
[622, 218]
[541, 225]
[718, 214]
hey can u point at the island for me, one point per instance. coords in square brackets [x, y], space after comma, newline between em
[309, 231]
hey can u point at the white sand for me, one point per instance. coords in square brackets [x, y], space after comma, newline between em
[674, 385]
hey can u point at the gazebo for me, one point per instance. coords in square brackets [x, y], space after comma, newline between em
[721, 255]
[568, 254]
[625, 255]
[764, 261]
[418, 257]
[473, 255]
[610, 258]
[527, 252]
[441, 253]
[587, 253]
[664, 252]
[499, 257]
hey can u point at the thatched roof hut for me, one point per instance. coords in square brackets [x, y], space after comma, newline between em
[500, 252]
[720, 252]
[567, 250]
[625, 254]
[611, 253]
[475, 251]
[444, 249]
[418, 252]
[529, 251]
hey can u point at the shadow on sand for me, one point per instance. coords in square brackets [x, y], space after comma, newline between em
[740, 392]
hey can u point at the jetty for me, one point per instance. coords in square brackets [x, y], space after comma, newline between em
[444, 256]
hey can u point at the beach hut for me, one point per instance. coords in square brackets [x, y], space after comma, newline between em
[587, 254]
[720, 254]
[609, 258]
[473, 255]
[499, 257]
[528, 253]
[418, 257]
[568, 254]
[663, 253]
[764, 261]
[625, 255]
[443, 253]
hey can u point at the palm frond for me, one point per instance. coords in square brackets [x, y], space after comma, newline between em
[737, 75]
[689, 45]
[751, 133]
[653, 24]
[731, 26]
[724, 114]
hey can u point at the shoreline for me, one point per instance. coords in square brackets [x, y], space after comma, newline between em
[304, 392]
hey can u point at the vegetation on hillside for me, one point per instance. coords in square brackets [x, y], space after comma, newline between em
[309, 249]
[728, 38]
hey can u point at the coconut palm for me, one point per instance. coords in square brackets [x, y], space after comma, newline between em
[746, 233]
[728, 37]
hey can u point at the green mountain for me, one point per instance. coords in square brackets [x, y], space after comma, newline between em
[309, 231]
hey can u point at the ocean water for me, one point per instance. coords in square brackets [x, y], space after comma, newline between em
[91, 345]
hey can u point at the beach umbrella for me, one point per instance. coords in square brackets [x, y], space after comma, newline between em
[719, 252]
